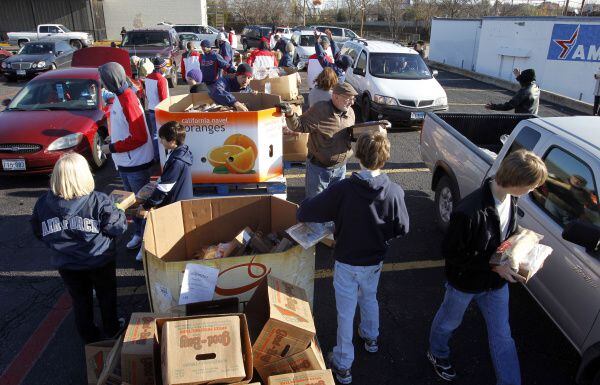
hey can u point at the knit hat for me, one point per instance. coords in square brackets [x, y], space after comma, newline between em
[195, 74]
[159, 62]
[344, 62]
[527, 76]
[244, 69]
[205, 43]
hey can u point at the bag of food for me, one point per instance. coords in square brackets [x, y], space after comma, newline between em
[534, 261]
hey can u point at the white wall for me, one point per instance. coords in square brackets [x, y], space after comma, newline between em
[455, 42]
[507, 43]
[145, 13]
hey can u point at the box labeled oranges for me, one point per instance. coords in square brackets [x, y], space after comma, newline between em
[229, 146]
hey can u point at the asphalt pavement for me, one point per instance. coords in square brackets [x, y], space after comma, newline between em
[34, 309]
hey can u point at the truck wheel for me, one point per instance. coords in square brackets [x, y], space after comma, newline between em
[76, 44]
[365, 109]
[172, 80]
[446, 199]
[98, 157]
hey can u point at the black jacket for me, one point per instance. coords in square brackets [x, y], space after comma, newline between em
[175, 183]
[472, 238]
[367, 213]
[525, 101]
[80, 231]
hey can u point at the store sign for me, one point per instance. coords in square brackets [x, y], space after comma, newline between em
[575, 42]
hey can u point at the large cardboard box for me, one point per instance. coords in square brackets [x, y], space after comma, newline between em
[195, 349]
[320, 377]
[295, 148]
[217, 139]
[281, 322]
[137, 354]
[284, 86]
[309, 359]
[101, 359]
[174, 233]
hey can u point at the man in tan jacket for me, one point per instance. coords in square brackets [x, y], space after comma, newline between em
[329, 140]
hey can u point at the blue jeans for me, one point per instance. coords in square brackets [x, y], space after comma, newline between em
[354, 284]
[134, 181]
[493, 305]
[153, 132]
[318, 178]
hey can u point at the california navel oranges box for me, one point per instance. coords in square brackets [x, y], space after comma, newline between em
[230, 146]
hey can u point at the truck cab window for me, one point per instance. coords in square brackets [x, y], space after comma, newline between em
[570, 192]
[527, 139]
[44, 29]
[53, 29]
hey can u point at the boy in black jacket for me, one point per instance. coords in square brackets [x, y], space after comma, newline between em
[368, 211]
[175, 183]
[478, 225]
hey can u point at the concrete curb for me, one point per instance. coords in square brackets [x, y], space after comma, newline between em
[546, 96]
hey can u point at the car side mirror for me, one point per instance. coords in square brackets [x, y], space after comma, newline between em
[359, 71]
[6, 102]
[583, 234]
[434, 73]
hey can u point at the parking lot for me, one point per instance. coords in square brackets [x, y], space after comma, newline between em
[39, 344]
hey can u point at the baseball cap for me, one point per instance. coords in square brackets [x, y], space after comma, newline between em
[244, 69]
[344, 89]
[205, 43]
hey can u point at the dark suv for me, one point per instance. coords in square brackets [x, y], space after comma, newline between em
[155, 41]
[252, 34]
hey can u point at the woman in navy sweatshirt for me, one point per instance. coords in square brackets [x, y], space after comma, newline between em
[80, 226]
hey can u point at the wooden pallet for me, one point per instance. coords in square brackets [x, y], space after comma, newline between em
[275, 187]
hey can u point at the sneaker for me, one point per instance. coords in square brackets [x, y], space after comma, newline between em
[135, 242]
[371, 346]
[442, 366]
[140, 255]
[344, 376]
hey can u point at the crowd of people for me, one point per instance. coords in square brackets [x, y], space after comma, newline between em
[368, 210]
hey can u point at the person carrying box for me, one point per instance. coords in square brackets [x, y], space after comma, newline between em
[175, 183]
[221, 91]
[478, 225]
[368, 211]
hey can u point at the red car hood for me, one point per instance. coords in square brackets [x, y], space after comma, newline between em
[96, 56]
[43, 127]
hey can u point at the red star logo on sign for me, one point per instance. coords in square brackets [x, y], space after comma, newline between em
[567, 44]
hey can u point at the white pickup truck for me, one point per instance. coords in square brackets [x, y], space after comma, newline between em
[462, 150]
[51, 32]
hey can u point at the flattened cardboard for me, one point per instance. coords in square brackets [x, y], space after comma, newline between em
[376, 126]
[309, 359]
[246, 347]
[311, 377]
[137, 354]
[281, 322]
[125, 199]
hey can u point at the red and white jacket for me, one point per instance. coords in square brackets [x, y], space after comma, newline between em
[157, 89]
[232, 39]
[189, 62]
[314, 69]
[259, 58]
[131, 143]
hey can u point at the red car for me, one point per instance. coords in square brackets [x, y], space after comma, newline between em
[57, 112]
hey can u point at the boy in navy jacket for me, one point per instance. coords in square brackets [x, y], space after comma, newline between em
[221, 91]
[175, 183]
[368, 211]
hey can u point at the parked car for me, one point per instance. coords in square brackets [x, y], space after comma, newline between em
[304, 43]
[393, 82]
[284, 32]
[462, 150]
[201, 31]
[252, 34]
[37, 57]
[339, 34]
[155, 41]
[52, 32]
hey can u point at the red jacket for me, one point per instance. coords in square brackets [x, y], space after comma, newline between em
[258, 52]
[157, 89]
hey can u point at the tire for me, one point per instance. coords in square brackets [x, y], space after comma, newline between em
[172, 80]
[98, 158]
[365, 109]
[21, 43]
[446, 198]
[77, 44]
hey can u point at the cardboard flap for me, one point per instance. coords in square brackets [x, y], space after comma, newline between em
[283, 214]
[168, 231]
[260, 101]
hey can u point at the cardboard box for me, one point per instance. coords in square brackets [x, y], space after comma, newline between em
[320, 377]
[284, 86]
[125, 199]
[137, 354]
[198, 348]
[376, 126]
[295, 148]
[174, 233]
[309, 359]
[281, 322]
[101, 359]
[259, 131]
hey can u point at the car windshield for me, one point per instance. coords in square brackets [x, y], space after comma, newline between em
[36, 48]
[64, 28]
[188, 28]
[398, 66]
[212, 29]
[146, 38]
[57, 94]
[189, 36]
[265, 31]
[307, 40]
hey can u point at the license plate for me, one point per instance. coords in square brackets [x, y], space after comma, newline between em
[13, 164]
[417, 115]
[21, 72]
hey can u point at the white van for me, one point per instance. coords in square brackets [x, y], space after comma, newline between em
[304, 43]
[393, 82]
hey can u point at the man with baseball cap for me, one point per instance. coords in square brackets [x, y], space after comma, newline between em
[211, 64]
[329, 140]
[340, 64]
[222, 89]
[157, 90]
[225, 49]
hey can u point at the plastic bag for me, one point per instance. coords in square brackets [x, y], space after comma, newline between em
[534, 261]
[515, 249]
